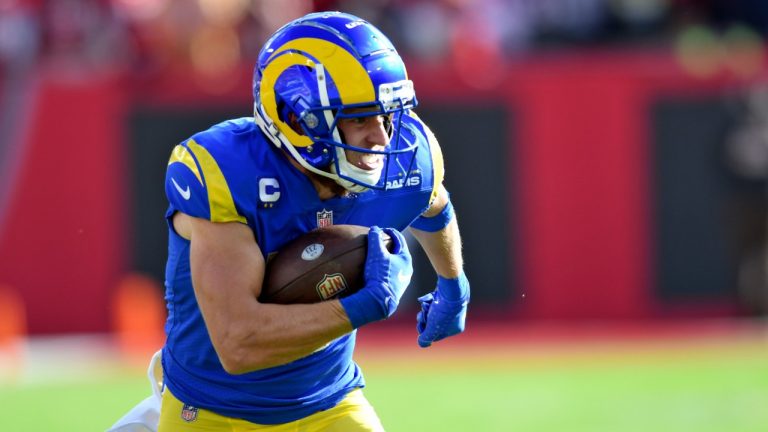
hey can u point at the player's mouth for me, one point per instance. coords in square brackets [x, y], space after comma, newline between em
[370, 161]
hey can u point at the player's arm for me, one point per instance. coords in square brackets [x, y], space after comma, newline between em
[442, 246]
[444, 310]
[227, 273]
[436, 229]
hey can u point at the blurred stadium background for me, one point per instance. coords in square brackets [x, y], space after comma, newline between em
[608, 161]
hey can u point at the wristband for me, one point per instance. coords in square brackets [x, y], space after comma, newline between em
[436, 222]
[456, 289]
[363, 308]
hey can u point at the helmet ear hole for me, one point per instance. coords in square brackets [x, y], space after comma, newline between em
[293, 122]
[282, 111]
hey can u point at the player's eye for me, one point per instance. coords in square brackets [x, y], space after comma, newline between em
[379, 119]
[387, 122]
[358, 121]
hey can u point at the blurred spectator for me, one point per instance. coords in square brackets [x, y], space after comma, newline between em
[19, 32]
[753, 13]
[747, 156]
[19, 51]
[84, 35]
[153, 34]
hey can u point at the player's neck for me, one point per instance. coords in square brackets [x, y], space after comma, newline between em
[326, 188]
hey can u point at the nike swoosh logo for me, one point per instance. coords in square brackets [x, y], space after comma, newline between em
[185, 193]
[404, 277]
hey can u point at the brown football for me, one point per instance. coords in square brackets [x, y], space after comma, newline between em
[320, 265]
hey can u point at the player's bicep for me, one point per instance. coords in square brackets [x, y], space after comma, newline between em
[227, 272]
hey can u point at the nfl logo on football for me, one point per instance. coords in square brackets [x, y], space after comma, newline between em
[331, 285]
[324, 218]
[189, 413]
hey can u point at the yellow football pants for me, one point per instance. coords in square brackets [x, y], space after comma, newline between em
[353, 414]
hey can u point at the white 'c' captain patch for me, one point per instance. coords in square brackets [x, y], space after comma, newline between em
[269, 190]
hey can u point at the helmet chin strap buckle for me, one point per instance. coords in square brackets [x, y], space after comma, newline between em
[274, 130]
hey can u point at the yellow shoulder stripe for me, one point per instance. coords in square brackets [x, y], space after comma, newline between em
[438, 167]
[219, 197]
[182, 155]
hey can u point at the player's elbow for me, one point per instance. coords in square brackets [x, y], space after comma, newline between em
[239, 363]
[233, 363]
[232, 354]
[242, 353]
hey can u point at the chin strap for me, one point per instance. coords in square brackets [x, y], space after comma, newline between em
[370, 177]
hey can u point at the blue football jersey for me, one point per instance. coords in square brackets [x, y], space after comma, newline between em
[232, 173]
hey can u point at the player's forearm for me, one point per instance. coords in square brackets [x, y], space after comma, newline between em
[443, 248]
[279, 334]
[227, 269]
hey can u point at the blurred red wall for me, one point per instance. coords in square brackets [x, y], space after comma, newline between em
[580, 173]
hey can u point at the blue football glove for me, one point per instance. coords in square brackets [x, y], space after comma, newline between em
[386, 277]
[443, 311]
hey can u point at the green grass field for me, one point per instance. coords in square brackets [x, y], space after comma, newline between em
[674, 385]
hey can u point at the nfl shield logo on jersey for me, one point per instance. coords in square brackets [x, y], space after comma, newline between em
[189, 413]
[324, 218]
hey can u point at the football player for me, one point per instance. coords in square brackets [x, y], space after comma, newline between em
[333, 140]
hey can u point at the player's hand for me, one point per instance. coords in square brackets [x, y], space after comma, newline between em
[387, 275]
[443, 311]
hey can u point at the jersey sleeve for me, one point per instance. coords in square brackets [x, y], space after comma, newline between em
[195, 185]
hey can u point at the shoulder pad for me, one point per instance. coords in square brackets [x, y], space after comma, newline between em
[436, 153]
[195, 185]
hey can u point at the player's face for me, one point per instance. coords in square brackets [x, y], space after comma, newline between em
[369, 132]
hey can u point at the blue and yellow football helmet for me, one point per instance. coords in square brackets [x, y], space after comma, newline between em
[319, 69]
